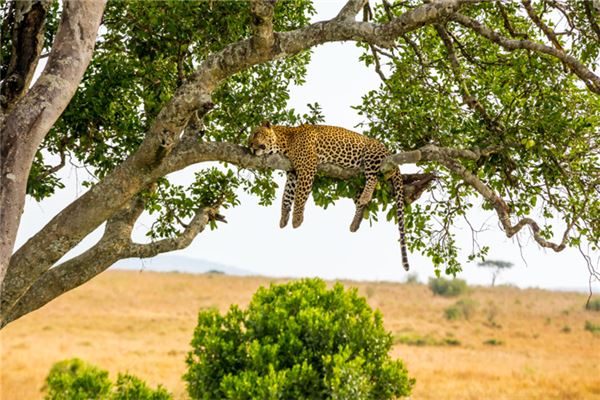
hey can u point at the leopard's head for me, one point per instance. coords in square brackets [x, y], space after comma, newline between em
[263, 140]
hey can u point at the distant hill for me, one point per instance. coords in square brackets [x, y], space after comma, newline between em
[174, 263]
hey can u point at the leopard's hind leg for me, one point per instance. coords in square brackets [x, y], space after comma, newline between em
[306, 176]
[358, 215]
[288, 198]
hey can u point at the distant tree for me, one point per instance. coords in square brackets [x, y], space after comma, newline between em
[492, 99]
[497, 267]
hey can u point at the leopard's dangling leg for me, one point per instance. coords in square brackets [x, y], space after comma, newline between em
[367, 193]
[288, 198]
[399, 193]
[358, 215]
[374, 155]
[306, 176]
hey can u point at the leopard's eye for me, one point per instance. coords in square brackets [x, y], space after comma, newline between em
[262, 146]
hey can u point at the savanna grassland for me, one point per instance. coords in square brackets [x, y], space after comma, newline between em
[516, 344]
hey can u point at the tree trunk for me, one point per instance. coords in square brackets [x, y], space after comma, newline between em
[29, 120]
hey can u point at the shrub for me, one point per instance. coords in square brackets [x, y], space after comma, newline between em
[493, 342]
[414, 339]
[593, 304]
[462, 309]
[590, 326]
[130, 387]
[76, 380]
[296, 340]
[447, 287]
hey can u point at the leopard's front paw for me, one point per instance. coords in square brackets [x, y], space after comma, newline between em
[285, 217]
[297, 220]
[355, 224]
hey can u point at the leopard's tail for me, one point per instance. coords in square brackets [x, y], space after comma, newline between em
[399, 192]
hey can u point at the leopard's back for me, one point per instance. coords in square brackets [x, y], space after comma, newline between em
[340, 146]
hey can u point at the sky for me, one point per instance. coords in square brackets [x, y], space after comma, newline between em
[323, 246]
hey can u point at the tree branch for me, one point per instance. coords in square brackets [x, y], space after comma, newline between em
[115, 244]
[591, 80]
[350, 9]
[506, 22]
[540, 24]
[262, 24]
[502, 208]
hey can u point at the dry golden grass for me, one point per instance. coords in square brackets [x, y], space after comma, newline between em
[143, 322]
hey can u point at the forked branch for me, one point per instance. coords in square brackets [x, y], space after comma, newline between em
[115, 244]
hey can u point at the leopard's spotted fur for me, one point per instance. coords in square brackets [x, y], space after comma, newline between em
[309, 145]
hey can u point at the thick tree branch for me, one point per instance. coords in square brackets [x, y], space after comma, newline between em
[115, 244]
[191, 153]
[591, 80]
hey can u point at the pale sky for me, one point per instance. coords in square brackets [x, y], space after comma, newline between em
[323, 246]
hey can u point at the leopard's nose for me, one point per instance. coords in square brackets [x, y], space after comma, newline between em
[262, 147]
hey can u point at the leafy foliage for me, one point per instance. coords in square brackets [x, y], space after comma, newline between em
[297, 340]
[75, 380]
[528, 105]
[541, 116]
[145, 53]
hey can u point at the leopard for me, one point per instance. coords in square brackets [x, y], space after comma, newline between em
[307, 146]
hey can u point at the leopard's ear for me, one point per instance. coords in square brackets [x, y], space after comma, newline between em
[266, 124]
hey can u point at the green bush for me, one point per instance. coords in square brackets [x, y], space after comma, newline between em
[593, 304]
[76, 380]
[415, 339]
[295, 341]
[447, 287]
[493, 342]
[462, 309]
